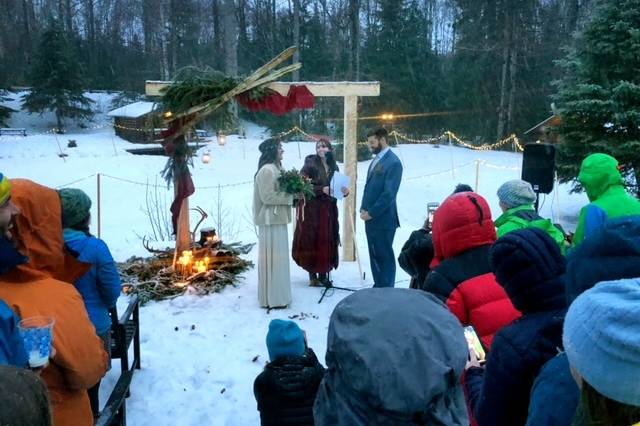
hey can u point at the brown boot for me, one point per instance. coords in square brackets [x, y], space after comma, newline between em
[313, 280]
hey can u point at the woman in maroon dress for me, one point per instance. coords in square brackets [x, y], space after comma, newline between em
[316, 237]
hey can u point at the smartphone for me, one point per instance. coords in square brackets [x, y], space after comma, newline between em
[473, 341]
[431, 209]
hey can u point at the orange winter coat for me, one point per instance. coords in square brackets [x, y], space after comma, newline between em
[41, 287]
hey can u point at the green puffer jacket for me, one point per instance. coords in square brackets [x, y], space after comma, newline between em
[603, 183]
[525, 216]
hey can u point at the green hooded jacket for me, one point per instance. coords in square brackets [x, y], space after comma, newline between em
[525, 216]
[601, 179]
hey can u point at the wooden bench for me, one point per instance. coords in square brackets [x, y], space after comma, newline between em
[13, 131]
[124, 330]
[114, 412]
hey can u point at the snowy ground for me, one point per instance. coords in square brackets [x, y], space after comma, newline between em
[198, 352]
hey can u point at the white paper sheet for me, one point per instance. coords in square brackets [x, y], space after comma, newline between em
[339, 181]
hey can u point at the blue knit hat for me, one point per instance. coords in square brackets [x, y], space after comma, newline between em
[602, 339]
[516, 193]
[284, 338]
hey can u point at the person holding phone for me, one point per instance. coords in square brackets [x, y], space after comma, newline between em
[417, 252]
[529, 266]
[317, 233]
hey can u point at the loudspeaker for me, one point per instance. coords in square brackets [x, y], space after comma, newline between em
[539, 165]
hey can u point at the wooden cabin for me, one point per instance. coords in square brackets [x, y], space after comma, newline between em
[134, 122]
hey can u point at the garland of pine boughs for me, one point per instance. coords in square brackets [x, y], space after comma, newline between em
[292, 182]
[196, 86]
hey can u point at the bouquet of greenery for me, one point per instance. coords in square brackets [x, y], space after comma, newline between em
[292, 182]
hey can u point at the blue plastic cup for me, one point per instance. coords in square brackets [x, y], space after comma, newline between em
[37, 335]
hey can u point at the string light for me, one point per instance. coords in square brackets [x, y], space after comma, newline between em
[295, 129]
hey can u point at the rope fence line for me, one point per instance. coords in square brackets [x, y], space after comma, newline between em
[440, 172]
[250, 182]
[76, 181]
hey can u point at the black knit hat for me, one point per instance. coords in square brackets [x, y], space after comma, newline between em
[529, 266]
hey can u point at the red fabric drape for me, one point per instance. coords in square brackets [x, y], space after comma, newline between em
[298, 97]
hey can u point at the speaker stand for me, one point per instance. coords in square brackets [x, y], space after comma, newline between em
[329, 285]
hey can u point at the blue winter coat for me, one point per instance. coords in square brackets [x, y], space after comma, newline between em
[11, 347]
[100, 287]
[528, 264]
[554, 396]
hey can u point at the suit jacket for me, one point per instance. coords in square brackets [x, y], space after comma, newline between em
[380, 191]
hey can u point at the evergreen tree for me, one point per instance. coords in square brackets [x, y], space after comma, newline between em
[5, 111]
[57, 80]
[599, 97]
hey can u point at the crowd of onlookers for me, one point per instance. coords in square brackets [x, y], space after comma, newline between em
[557, 314]
[52, 267]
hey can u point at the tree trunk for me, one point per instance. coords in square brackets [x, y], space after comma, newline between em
[296, 37]
[273, 27]
[217, 31]
[164, 40]
[503, 81]
[173, 33]
[60, 122]
[230, 38]
[68, 17]
[513, 69]
[354, 51]
[243, 38]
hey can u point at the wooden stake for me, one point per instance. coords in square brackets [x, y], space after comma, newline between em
[477, 175]
[99, 206]
[350, 140]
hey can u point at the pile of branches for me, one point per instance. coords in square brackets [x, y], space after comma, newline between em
[154, 278]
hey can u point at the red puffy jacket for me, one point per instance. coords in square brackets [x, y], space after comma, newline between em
[461, 275]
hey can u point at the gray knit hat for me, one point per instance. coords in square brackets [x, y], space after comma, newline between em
[24, 398]
[515, 193]
[76, 206]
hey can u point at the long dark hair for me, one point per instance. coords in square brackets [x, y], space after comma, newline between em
[269, 153]
[330, 157]
[596, 409]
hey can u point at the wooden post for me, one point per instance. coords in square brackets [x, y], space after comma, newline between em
[350, 140]
[99, 207]
[477, 175]
[183, 233]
